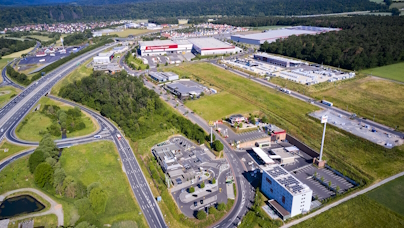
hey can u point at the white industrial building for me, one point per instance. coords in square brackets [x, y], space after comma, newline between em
[163, 76]
[103, 58]
[277, 60]
[273, 35]
[120, 49]
[289, 196]
[162, 47]
[212, 46]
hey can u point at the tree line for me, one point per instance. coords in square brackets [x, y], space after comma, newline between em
[77, 38]
[12, 16]
[50, 176]
[63, 121]
[364, 42]
[137, 110]
[9, 46]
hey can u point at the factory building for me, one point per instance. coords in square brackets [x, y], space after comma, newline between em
[289, 196]
[185, 88]
[162, 47]
[103, 58]
[276, 60]
[273, 35]
[163, 76]
[120, 49]
[212, 46]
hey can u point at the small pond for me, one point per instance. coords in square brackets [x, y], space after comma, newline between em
[18, 205]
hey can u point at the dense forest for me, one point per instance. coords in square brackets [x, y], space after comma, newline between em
[138, 110]
[8, 46]
[11, 16]
[364, 42]
[77, 38]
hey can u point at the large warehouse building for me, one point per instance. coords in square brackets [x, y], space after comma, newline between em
[276, 60]
[103, 58]
[273, 35]
[162, 47]
[212, 46]
[290, 197]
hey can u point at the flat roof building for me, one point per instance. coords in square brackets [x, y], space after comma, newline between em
[166, 156]
[111, 68]
[185, 88]
[163, 76]
[162, 47]
[212, 46]
[277, 60]
[103, 58]
[289, 193]
[263, 156]
[273, 35]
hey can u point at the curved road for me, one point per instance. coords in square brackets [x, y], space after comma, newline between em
[19, 106]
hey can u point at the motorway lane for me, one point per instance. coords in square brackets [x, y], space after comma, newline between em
[316, 103]
[16, 109]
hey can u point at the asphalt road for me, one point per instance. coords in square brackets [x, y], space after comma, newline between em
[18, 107]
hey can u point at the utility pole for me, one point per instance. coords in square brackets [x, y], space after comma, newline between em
[211, 136]
[324, 120]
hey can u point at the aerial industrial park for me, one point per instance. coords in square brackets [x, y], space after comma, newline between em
[202, 121]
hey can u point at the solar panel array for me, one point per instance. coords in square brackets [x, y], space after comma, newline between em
[277, 171]
[291, 183]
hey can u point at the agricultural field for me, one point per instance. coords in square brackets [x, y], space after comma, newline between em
[390, 195]
[77, 74]
[11, 149]
[393, 72]
[362, 160]
[36, 122]
[17, 54]
[7, 93]
[217, 106]
[359, 212]
[127, 32]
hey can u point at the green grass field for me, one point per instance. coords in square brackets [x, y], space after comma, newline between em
[41, 221]
[76, 75]
[6, 93]
[137, 62]
[217, 106]
[360, 212]
[41, 38]
[361, 159]
[38, 122]
[127, 32]
[393, 71]
[99, 162]
[3, 63]
[390, 195]
[12, 149]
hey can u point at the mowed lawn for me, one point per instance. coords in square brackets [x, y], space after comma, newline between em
[127, 32]
[7, 93]
[390, 195]
[363, 160]
[17, 54]
[76, 75]
[369, 97]
[99, 162]
[216, 106]
[38, 122]
[11, 149]
[393, 71]
[360, 212]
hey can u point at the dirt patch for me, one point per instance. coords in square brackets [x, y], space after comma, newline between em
[4, 92]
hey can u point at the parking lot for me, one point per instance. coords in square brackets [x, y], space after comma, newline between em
[48, 58]
[172, 58]
[356, 127]
[241, 137]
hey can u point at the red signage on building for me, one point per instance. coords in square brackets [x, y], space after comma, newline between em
[161, 47]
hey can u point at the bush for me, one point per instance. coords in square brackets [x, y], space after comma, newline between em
[213, 181]
[202, 184]
[82, 206]
[221, 206]
[85, 224]
[212, 210]
[98, 199]
[43, 175]
[35, 159]
[92, 186]
[217, 145]
[191, 189]
[201, 215]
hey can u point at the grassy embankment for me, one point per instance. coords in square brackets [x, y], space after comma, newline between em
[41, 38]
[3, 63]
[36, 122]
[41, 221]
[393, 71]
[127, 32]
[94, 162]
[12, 149]
[7, 93]
[77, 74]
[356, 157]
[172, 213]
[137, 62]
[17, 54]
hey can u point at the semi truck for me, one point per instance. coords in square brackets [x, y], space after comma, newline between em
[326, 103]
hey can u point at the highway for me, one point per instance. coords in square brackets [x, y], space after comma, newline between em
[14, 112]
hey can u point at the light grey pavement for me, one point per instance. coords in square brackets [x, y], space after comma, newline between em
[328, 207]
[55, 208]
[186, 197]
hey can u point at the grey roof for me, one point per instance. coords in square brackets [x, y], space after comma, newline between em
[286, 180]
[209, 43]
[169, 74]
[236, 116]
[186, 87]
[156, 43]
[159, 76]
